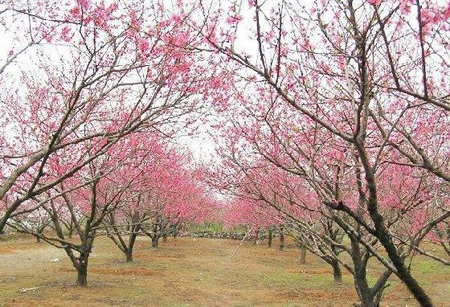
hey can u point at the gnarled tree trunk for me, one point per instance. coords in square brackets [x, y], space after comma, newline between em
[269, 243]
[82, 270]
[302, 254]
[155, 241]
[337, 273]
[129, 256]
[282, 244]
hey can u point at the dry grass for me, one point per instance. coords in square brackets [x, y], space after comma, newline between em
[190, 272]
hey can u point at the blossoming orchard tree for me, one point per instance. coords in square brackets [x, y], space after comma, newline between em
[257, 219]
[140, 186]
[321, 231]
[339, 93]
[38, 220]
[167, 195]
[88, 198]
[331, 118]
[79, 76]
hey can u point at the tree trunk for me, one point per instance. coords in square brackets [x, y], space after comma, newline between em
[368, 301]
[82, 270]
[337, 274]
[281, 239]
[402, 271]
[165, 238]
[367, 304]
[385, 238]
[155, 242]
[131, 241]
[129, 256]
[302, 254]
[255, 241]
[269, 243]
[70, 234]
[370, 297]
[40, 232]
[363, 292]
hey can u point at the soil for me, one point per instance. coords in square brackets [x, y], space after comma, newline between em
[189, 272]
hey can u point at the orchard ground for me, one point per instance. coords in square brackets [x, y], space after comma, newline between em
[191, 272]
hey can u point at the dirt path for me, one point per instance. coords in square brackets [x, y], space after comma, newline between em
[28, 259]
[182, 272]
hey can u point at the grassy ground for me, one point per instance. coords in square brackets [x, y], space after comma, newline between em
[190, 272]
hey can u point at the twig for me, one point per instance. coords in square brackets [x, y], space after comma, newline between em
[239, 246]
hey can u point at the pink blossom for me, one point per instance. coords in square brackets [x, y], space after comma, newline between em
[75, 11]
[143, 46]
[65, 34]
[232, 20]
[84, 4]
[374, 2]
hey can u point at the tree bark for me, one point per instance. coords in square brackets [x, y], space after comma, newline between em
[402, 271]
[155, 241]
[302, 254]
[70, 232]
[337, 273]
[255, 241]
[82, 270]
[40, 232]
[282, 244]
[269, 243]
[383, 235]
[363, 291]
[129, 256]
